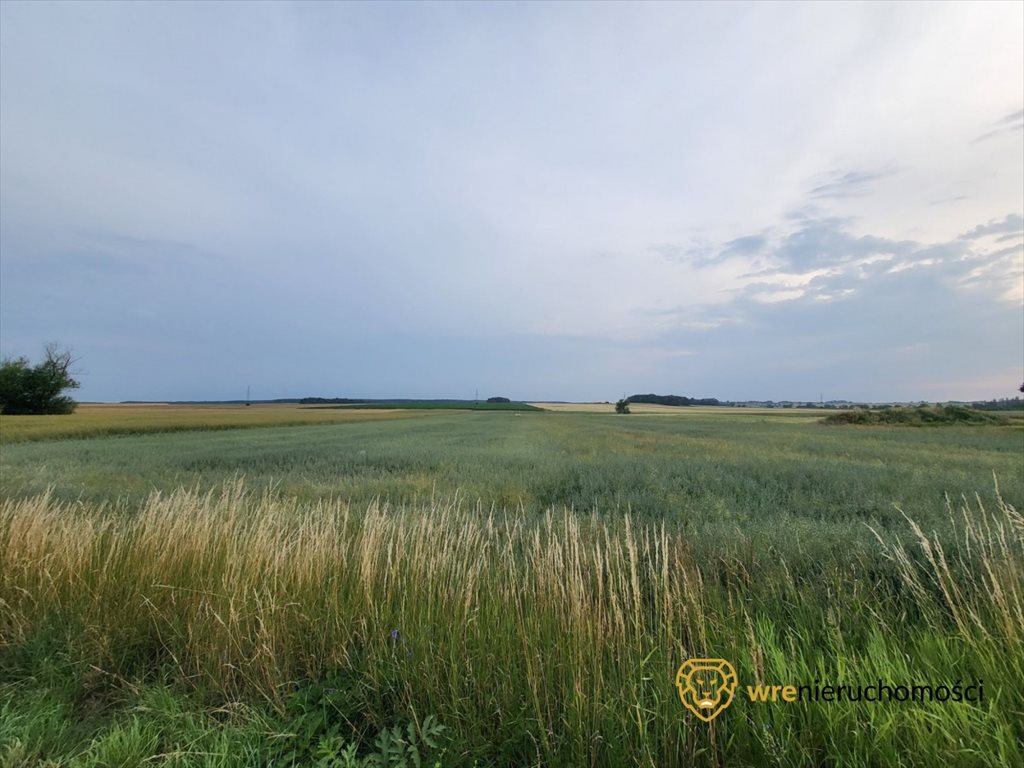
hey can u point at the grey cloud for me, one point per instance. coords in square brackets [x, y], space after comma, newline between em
[1012, 223]
[853, 328]
[701, 252]
[849, 184]
[826, 242]
[1013, 250]
[698, 251]
[744, 246]
[996, 132]
[806, 212]
[939, 252]
[1010, 124]
[954, 264]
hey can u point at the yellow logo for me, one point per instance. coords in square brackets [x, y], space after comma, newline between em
[706, 686]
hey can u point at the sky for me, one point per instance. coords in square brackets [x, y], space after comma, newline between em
[543, 201]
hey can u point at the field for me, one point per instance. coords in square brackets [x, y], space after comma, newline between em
[442, 405]
[102, 420]
[528, 582]
[94, 420]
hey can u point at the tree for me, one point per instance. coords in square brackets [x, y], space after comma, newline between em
[622, 406]
[28, 389]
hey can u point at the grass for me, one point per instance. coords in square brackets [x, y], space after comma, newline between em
[536, 641]
[290, 595]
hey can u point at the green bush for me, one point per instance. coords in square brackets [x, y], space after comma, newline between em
[28, 389]
[917, 417]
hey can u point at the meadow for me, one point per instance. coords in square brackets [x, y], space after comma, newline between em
[508, 589]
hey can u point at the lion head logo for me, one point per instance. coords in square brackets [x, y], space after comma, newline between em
[706, 686]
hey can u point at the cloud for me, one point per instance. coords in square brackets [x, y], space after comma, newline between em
[1011, 225]
[828, 241]
[840, 261]
[696, 252]
[870, 329]
[744, 246]
[848, 184]
[822, 265]
[700, 252]
[1012, 123]
[951, 199]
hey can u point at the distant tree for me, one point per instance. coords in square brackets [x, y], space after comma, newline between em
[325, 400]
[622, 406]
[35, 389]
[673, 400]
[498, 400]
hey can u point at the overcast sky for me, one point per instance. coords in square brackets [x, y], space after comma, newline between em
[543, 201]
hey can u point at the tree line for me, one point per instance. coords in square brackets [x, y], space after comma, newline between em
[673, 400]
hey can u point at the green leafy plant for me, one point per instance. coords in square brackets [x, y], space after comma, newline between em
[406, 748]
[333, 752]
[313, 721]
[36, 389]
[395, 747]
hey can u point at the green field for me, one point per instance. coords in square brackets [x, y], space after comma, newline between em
[107, 420]
[529, 580]
[436, 405]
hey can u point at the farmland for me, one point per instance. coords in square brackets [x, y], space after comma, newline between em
[531, 581]
[96, 420]
[106, 420]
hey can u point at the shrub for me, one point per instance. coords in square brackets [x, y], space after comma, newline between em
[28, 389]
[917, 417]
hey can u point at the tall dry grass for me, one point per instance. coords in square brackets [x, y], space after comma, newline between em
[537, 639]
[978, 580]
